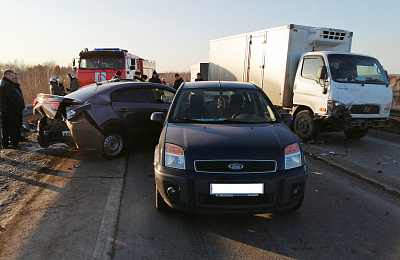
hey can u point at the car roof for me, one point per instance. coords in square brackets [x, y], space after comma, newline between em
[218, 84]
[90, 90]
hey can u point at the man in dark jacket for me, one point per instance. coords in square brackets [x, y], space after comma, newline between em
[178, 81]
[199, 77]
[74, 85]
[155, 78]
[11, 105]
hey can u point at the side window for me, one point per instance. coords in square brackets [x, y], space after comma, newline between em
[134, 95]
[310, 67]
[162, 95]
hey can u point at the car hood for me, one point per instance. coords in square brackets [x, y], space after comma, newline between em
[224, 142]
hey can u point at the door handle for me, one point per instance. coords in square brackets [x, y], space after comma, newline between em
[122, 110]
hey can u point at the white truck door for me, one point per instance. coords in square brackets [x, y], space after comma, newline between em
[307, 89]
[257, 60]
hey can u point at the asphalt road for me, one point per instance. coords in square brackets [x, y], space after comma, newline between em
[341, 218]
[98, 209]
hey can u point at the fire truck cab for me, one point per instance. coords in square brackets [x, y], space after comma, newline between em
[101, 64]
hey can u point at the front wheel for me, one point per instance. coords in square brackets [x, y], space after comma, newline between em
[305, 127]
[356, 133]
[113, 144]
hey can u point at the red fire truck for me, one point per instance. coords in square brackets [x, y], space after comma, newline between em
[101, 64]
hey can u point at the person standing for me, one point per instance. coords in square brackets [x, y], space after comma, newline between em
[60, 82]
[138, 76]
[155, 78]
[178, 81]
[54, 87]
[117, 75]
[20, 118]
[199, 78]
[74, 84]
[11, 106]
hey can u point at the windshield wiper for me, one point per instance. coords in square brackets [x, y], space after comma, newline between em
[348, 79]
[184, 119]
[375, 81]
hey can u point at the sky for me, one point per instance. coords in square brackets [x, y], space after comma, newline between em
[176, 34]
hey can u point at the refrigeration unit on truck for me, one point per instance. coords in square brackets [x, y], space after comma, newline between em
[310, 72]
[101, 64]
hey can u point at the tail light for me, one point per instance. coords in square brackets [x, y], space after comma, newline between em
[75, 111]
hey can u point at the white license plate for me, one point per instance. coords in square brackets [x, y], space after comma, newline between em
[236, 189]
[66, 133]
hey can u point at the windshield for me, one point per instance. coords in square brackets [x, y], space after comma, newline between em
[101, 63]
[356, 69]
[222, 106]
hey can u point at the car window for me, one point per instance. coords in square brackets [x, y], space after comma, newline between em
[135, 95]
[162, 95]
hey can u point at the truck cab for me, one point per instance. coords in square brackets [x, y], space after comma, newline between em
[342, 91]
[101, 64]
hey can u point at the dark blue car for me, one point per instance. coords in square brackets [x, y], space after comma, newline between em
[225, 149]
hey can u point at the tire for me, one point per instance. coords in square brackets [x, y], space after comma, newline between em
[161, 205]
[356, 133]
[305, 127]
[113, 144]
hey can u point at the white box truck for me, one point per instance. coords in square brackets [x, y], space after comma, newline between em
[310, 72]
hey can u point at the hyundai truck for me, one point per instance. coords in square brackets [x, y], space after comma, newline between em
[310, 72]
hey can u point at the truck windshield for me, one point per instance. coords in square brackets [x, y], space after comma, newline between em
[235, 106]
[101, 63]
[356, 69]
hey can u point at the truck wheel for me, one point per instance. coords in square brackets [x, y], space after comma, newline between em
[113, 144]
[161, 205]
[356, 133]
[305, 127]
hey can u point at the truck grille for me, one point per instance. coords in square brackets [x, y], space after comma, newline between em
[264, 199]
[230, 166]
[365, 109]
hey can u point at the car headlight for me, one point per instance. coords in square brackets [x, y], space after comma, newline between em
[174, 156]
[293, 156]
[387, 107]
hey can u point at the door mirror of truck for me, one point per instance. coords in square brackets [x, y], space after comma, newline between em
[321, 73]
[132, 67]
[287, 119]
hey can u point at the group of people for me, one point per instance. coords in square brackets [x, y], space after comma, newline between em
[11, 107]
[57, 85]
[155, 78]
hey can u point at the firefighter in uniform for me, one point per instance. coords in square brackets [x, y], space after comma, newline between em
[74, 85]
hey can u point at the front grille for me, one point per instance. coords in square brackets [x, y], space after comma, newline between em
[263, 199]
[256, 166]
[365, 109]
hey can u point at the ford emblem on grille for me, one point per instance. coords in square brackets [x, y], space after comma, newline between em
[235, 166]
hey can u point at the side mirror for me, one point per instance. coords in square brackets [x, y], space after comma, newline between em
[321, 73]
[158, 117]
[132, 67]
[287, 119]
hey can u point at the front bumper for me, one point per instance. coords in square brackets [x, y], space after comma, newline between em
[194, 191]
